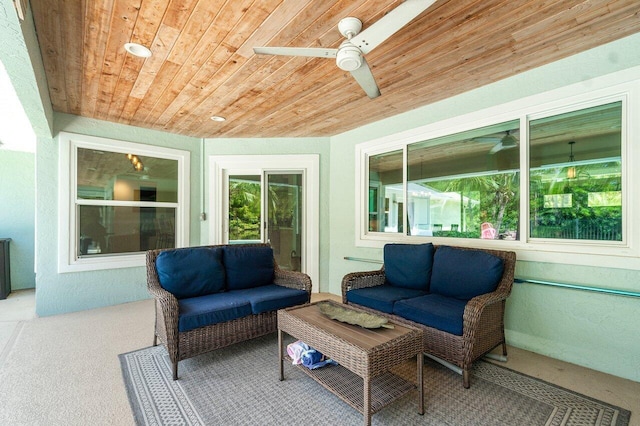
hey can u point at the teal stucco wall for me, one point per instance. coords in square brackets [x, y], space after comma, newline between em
[17, 214]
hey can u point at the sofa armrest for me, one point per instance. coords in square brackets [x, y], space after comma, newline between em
[293, 279]
[483, 316]
[479, 302]
[355, 280]
[165, 301]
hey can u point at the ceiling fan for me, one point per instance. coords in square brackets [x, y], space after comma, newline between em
[350, 55]
[506, 142]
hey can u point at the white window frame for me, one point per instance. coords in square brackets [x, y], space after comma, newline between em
[68, 260]
[621, 86]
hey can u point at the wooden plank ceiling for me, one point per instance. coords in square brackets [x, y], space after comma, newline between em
[203, 62]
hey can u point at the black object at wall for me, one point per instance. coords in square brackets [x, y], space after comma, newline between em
[5, 269]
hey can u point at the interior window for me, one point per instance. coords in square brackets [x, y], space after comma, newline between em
[117, 200]
[576, 175]
[126, 203]
[465, 185]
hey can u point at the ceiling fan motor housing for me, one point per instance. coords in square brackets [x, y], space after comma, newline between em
[349, 57]
[349, 27]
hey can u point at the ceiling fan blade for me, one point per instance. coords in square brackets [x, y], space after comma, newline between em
[389, 24]
[314, 52]
[496, 148]
[500, 147]
[365, 79]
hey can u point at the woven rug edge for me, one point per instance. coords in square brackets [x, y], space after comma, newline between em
[626, 414]
[128, 384]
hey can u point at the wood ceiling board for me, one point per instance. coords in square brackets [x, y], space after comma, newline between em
[189, 52]
[222, 63]
[203, 59]
[96, 19]
[51, 51]
[230, 81]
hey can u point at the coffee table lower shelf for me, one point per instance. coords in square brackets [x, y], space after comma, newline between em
[349, 387]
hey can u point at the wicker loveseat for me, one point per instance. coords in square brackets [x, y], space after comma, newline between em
[455, 295]
[214, 296]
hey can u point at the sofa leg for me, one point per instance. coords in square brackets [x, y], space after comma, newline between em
[155, 340]
[465, 379]
[175, 370]
[504, 349]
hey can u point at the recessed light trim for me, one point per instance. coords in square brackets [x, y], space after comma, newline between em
[137, 50]
[218, 118]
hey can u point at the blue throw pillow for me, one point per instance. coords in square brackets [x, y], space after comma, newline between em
[191, 272]
[408, 265]
[465, 273]
[248, 267]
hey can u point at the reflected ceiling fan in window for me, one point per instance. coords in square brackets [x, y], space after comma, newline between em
[508, 141]
[350, 55]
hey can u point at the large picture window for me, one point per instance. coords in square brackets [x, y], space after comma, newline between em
[122, 200]
[549, 180]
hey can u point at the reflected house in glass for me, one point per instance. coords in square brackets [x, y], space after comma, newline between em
[428, 209]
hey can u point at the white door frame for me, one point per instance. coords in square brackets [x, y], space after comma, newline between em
[220, 166]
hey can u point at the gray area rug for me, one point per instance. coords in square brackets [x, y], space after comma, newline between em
[239, 385]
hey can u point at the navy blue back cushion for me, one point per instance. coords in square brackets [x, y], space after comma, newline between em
[465, 274]
[191, 272]
[248, 266]
[408, 265]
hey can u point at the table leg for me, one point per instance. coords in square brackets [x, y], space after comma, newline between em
[280, 355]
[367, 402]
[420, 384]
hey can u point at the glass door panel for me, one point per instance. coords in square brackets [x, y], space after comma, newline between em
[245, 209]
[284, 210]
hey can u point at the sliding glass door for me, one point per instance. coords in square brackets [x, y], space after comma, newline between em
[268, 207]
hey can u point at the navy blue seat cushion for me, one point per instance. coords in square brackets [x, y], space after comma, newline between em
[465, 274]
[408, 265]
[271, 297]
[382, 297]
[201, 311]
[439, 312]
[248, 267]
[191, 272]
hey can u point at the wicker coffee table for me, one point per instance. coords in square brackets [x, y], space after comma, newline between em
[362, 379]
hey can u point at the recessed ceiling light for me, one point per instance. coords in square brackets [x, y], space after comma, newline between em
[137, 50]
[218, 118]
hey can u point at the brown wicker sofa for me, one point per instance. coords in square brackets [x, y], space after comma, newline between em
[455, 295]
[210, 297]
